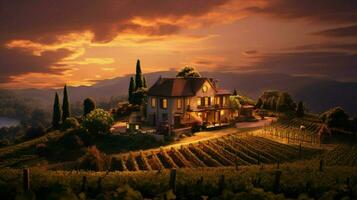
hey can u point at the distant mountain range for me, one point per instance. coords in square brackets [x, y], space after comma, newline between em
[318, 94]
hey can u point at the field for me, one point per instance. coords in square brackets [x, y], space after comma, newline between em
[291, 180]
[231, 150]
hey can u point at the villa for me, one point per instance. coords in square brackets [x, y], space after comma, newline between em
[181, 102]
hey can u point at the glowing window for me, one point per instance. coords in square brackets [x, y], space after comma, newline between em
[217, 100]
[199, 114]
[188, 101]
[204, 88]
[164, 103]
[224, 100]
[198, 101]
[222, 112]
[179, 103]
[153, 102]
[136, 127]
[212, 100]
[127, 126]
[206, 101]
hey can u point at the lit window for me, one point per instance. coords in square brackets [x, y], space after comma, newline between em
[222, 112]
[218, 100]
[198, 101]
[127, 126]
[204, 88]
[164, 103]
[188, 101]
[199, 114]
[206, 101]
[153, 102]
[224, 101]
[179, 103]
[212, 100]
[137, 127]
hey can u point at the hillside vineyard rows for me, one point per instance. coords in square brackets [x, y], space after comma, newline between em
[231, 150]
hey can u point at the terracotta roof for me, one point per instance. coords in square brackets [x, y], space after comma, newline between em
[223, 92]
[177, 86]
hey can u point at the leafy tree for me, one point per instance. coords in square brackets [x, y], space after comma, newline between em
[300, 112]
[65, 104]
[138, 76]
[335, 117]
[188, 72]
[56, 117]
[88, 106]
[98, 121]
[131, 90]
[235, 93]
[234, 103]
[285, 103]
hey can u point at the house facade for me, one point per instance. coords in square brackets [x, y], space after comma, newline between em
[184, 101]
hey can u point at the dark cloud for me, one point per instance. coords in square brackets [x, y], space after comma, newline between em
[14, 62]
[105, 18]
[346, 31]
[316, 10]
[44, 21]
[334, 65]
[337, 46]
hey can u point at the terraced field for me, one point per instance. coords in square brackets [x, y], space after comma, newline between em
[229, 150]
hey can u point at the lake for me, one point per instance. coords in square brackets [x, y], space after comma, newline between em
[7, 122]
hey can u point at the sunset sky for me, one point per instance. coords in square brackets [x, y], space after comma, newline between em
[46, 43]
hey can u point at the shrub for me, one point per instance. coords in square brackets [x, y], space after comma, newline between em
[34, 132]
[98, 121]
[70, 122]
[41, 149]
[73, 142]
[93, 160]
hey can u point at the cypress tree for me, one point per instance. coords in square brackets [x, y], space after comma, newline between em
[131, 90]
[235, 93]
[138, 76]
[144, 82]
[88, 106]
[56, 116]
[65, 104]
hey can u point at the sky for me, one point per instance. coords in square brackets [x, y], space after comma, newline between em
[49, 43]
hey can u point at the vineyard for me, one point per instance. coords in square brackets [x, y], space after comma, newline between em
[297, 131]
[231, 150]
[343, 154]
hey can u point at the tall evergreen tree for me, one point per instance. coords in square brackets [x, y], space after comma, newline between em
[65, 104]
[56, 116]
[144, 82]
[131, 90]
[138, 76]
[235, 93]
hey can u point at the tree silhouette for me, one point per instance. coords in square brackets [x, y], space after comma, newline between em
[188, 72]
[88, 106]
[131, 90]
[138, 76]
[300, 110]
[235, 93]
[56, 116]
[65, 104]
[144, 82]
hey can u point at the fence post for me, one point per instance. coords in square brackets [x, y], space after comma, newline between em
[84, 183]
[173, 180]
[277, 181]
[26, 179]
[221, 183]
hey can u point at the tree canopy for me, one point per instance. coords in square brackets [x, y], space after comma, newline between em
[98, 121]
[56, 116]
[65, 104]
[188, 72]
[335, 117]
[88, 106]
